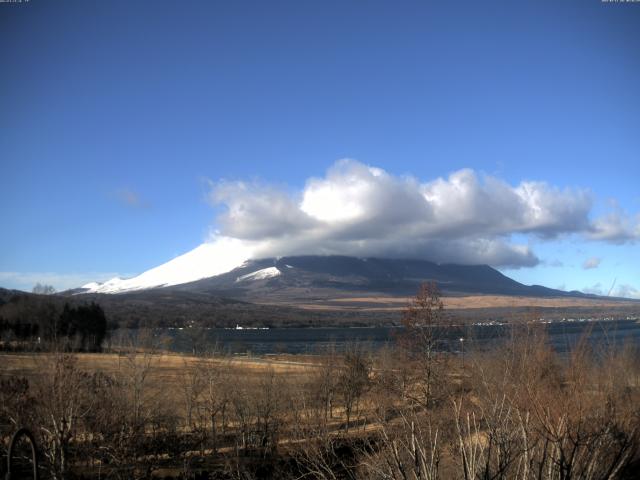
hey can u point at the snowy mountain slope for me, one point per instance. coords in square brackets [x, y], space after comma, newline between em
[204, 261]
[262, 274]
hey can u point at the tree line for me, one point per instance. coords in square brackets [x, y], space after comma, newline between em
[30, 321]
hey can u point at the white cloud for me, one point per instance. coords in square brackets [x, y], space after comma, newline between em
[360, 210]
[466, 203]
[624, 291]
[255, 211]
[593, 262]
[616, 227]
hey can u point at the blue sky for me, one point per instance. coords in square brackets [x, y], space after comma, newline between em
[116, 118]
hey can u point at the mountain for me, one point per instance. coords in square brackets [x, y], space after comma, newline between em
[316, 291]
[219, 284]
[206, 260]
[298, 277]
[328, 291]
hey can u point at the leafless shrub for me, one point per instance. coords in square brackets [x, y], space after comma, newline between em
[215, 393]
[407, 448]
[532, 417]
[64, 403]
[353, 379]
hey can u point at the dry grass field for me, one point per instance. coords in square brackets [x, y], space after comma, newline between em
[390, 303]
[168, 368]
[143, 414]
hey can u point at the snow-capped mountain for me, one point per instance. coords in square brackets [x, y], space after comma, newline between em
[223, 281]
[204, 261]
[229, 268]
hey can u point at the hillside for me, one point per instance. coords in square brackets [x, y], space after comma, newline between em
[299, 278]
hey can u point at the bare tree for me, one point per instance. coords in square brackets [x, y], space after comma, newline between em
[423, 324]
[240, 401]
[353, 378]
[324, 384]
[192, 384]
[407, 449]
[135, 370]
[531, 418]
[214, 372]
[269, 401]
[196, 337]
[64, 403]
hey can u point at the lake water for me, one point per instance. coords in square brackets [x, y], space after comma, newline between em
[562, 336]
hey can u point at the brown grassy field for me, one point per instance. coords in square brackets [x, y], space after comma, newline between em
[167, 367]
[389, 303]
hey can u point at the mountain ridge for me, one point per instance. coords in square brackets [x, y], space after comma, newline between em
[338, 274]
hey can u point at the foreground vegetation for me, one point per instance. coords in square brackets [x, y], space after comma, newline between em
[410, 412]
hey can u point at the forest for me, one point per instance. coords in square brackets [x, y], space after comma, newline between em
[36, 322]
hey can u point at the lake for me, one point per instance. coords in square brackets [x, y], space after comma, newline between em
[562, 336]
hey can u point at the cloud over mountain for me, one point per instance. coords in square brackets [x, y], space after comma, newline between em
[356, 209]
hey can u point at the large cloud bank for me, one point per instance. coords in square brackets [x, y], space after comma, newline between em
[364, 211]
